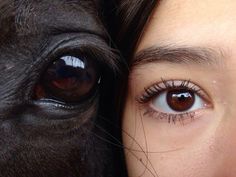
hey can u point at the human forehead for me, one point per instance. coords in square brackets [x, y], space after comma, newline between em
[209, 22]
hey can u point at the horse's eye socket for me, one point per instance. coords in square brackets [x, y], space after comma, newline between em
[68, 79]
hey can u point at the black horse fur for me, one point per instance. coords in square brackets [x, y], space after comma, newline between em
[40, 138]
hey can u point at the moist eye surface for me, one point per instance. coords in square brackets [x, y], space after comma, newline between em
[173, 100]
[180, 100]
[69, 79]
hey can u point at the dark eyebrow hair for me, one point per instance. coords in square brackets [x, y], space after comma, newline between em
[179, 55]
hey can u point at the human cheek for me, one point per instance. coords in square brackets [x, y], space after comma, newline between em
[149, 150]
[156, 147]
[201, 159]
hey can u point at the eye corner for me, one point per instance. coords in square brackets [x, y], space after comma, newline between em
[186, 95]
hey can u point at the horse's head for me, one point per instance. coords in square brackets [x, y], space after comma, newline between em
[55, 68]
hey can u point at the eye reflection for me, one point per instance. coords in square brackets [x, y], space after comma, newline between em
[173, 100]
[69, 79]
[180, 100]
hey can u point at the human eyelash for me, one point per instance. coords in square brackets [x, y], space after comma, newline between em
[156, 89]
[171, 118]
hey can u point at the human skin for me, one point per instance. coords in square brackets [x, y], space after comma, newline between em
[195, 42]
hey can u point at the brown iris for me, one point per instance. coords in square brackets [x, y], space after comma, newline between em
[180, 100]
[68, 79]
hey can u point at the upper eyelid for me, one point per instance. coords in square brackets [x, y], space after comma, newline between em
[102, 53]
[202, 92]
[83, 43]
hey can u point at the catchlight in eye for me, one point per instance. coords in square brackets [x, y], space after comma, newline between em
[69, 79]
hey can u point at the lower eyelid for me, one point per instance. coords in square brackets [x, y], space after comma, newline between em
[199, 103]
[170, 118]
[145, 100]
[181, 118]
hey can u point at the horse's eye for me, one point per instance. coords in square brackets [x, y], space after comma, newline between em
[68, 79]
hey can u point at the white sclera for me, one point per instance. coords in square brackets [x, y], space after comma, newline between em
[160, 104]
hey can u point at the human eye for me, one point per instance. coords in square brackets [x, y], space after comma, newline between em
[174, 100]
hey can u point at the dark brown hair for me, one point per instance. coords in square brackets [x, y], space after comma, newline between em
[131, 17]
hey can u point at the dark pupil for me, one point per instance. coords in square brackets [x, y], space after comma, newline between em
[180, 100]
[70, 78]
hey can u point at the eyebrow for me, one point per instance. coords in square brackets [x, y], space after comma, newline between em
[179, 55]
